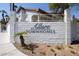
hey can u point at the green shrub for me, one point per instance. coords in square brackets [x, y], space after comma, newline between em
[20, 33]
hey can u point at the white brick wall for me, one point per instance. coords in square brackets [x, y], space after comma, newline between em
[58, 37]
[75, 31]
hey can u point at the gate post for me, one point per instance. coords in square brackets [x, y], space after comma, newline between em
[12, 26]
[67, 20]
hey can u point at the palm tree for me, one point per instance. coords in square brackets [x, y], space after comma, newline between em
[3, 22]
[3, 13]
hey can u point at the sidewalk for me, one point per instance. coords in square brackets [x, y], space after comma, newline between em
[7, 48]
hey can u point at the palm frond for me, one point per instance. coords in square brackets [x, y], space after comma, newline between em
[20, 33]
[3, 11]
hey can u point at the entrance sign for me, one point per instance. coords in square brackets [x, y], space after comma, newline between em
[42, 32]
[40, 28]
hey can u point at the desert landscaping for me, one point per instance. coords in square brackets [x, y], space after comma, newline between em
[50, 50]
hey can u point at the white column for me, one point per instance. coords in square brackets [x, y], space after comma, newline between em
[0, 27]
[12, 26]
[67, 20]
[38, 17]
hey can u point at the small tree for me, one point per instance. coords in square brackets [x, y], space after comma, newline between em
[21, 38]
[58, 7]
[30, 46]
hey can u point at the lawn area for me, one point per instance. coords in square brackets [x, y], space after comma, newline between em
[50, 50]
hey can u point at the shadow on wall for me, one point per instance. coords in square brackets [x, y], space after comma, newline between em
[75, 42]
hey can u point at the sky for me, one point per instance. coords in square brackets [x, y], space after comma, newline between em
[44, 6]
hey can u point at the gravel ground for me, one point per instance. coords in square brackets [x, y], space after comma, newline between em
[50, 50]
